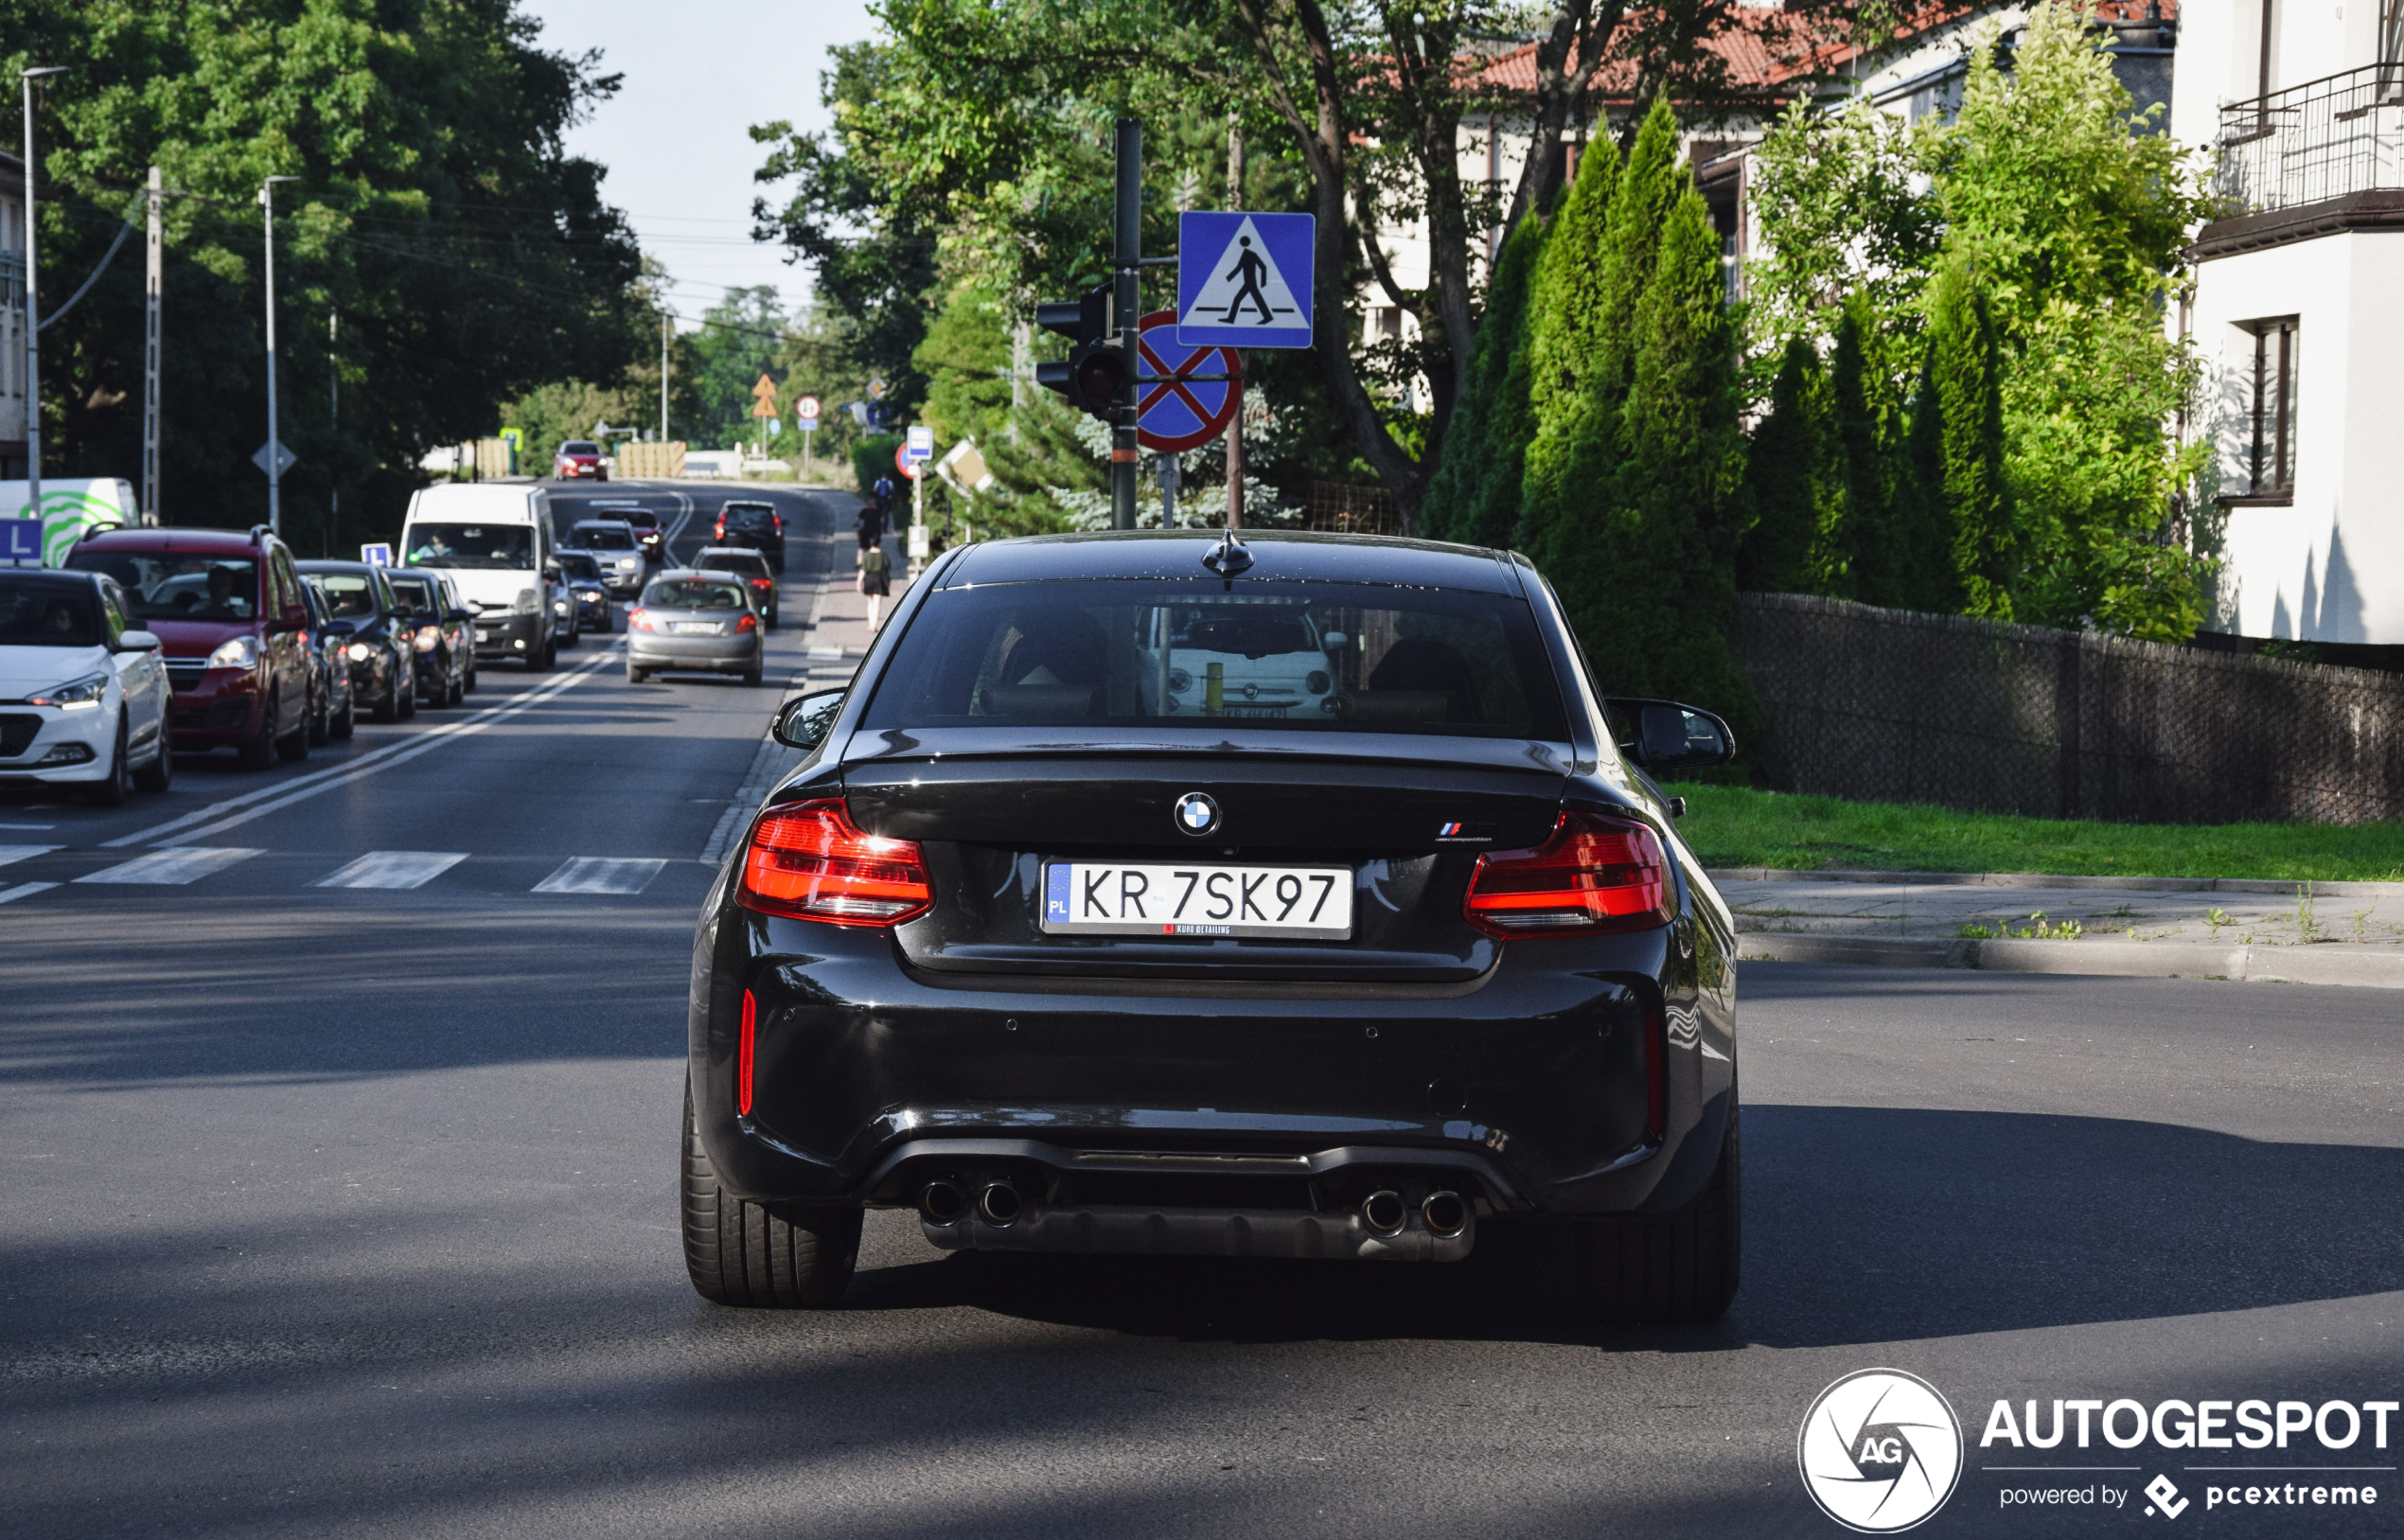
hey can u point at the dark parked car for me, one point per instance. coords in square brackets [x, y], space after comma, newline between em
[751, 567]
[757, 526]
[442, 634]
[384, 660]
[1145, 893]
[333, 716]
[228, 612]
[590, 595]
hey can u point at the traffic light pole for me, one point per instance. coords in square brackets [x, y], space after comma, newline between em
[1126, 259]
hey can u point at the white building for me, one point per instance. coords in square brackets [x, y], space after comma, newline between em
[2299, 315]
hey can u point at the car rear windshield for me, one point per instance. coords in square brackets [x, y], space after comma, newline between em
[1321, 656]
[579, 446]
[576, 564]
[602, 538]
[502, 548]
[412, 596]
[750, 517]
[692, 593]
[748, 561]
[349, 595]
[178, 585]
[48, 611]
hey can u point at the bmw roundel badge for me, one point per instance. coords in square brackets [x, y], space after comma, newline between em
[1196, 813]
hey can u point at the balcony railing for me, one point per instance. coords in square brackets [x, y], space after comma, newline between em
[2310, 143]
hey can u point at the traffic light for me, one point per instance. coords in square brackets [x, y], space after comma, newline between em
[1095, 373]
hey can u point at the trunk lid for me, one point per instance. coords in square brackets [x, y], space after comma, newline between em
[1406, 816]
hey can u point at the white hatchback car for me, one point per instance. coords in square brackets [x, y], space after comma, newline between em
[84, 696]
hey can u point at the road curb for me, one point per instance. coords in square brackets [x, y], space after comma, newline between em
[2335, 963]
[2055, 880]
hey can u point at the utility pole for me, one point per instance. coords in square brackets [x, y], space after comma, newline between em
[32, 307]
[1127, 257]
[663, 378]
[1235, 420]
[275, 442]
[333, 418]
[155, 249]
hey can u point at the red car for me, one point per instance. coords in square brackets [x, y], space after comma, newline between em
[579, 459]
[647, 534]
[232, 625]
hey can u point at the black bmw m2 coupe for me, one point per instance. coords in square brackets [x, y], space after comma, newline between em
[1275, 896]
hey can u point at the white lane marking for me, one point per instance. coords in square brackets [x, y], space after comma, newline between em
[21, 853]
[400, 869]
[173, 867]
[256, 803]
[24, 890]
[27, 826]
[595, 874]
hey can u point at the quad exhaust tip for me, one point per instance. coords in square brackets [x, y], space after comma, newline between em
[1001, 1204]
[1445, 1215]
[942, 1203]
[1384, 1211]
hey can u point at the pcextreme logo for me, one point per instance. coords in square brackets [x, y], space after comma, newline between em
[1881, 1450]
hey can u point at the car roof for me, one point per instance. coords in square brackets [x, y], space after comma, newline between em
[327, 564]
[1277, 555]
[733, 551]
[733, 503]
[198, 542]
[618, 523]
[687, 572]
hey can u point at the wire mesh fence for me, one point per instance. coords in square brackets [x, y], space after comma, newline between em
[1892, 706]
[1352, 510]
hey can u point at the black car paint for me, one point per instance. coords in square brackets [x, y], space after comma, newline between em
[1516, 1064]
[388, 675]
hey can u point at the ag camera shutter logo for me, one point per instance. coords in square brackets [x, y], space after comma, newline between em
[1880, 1451]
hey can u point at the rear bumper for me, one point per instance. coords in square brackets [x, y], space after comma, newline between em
[712, 654]
[1109, 1102]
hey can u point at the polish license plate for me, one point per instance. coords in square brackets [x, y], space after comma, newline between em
[696, 627]
[1197, 898]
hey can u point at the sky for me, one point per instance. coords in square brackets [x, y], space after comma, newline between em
[674, 137]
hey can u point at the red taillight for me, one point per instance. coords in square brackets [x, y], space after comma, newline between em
[810, 861]
[747, 621]
[743, 1056]
[637, 621]
[1595, 875]
[763, 582]
[780, 522]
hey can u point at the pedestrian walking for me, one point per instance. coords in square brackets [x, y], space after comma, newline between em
[870, 525]
[875, 580]
[883, 492]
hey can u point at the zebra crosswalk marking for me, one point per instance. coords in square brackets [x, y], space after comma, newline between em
[393, 869]
[595, 874]
[173, 867]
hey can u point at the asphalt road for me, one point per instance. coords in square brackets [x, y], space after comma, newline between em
[346, 1212]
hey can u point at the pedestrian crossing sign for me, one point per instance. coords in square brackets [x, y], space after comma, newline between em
[1243, 280]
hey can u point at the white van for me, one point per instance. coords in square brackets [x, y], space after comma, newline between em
[495, 538]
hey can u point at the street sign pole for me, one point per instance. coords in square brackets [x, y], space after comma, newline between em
[1127, 255]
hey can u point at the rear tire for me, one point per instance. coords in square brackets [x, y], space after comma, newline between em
[770, 1256]
[293, 746]
[753, 679]
[1679, 1269]
[320, 725]
[458, 693]
[341, 727]
[388, 709]
[112, 791]
[636, 676]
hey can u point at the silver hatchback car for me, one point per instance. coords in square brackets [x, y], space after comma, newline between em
[694, 622]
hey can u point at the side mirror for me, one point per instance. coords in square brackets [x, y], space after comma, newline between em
[804, 723]
[1669, 736]
[136, 641]
[340, 627]
[550, 568]
[461, 615]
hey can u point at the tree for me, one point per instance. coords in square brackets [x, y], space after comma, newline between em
[1923, 573]
[1966, 365]
[1782, 473]
[1572, 440]
[1859, 558]
[440, 253]
[1475, 494]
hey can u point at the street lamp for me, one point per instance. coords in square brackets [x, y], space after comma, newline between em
[275, 442]
[32, 306]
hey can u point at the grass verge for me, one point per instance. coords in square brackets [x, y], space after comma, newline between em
[1740, 826]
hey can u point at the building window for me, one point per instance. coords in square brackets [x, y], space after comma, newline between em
[2270, 450]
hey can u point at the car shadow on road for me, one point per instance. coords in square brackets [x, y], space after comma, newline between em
[1861, 1225]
